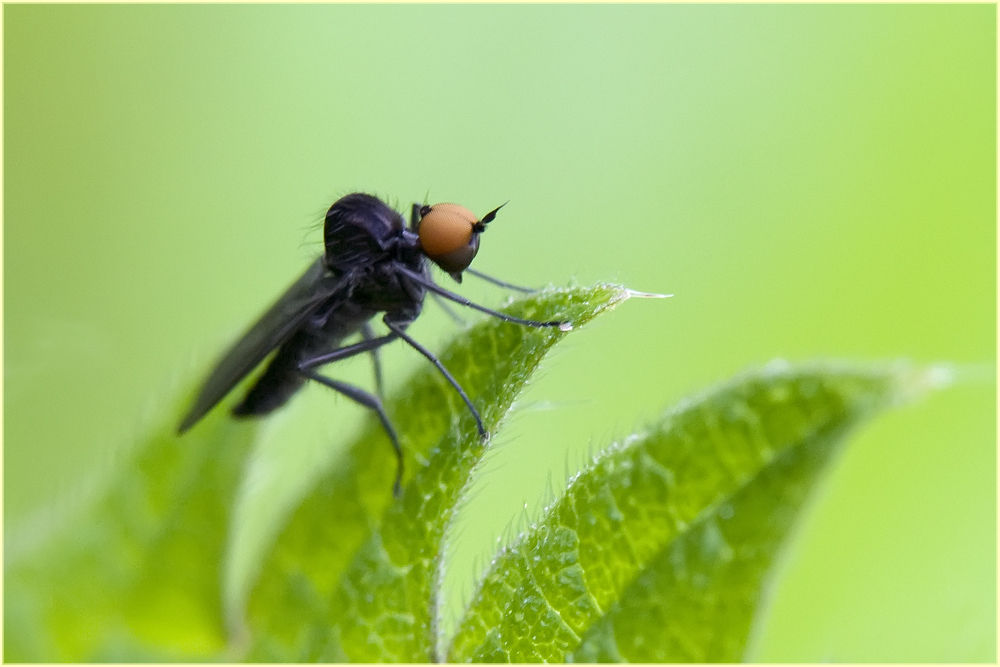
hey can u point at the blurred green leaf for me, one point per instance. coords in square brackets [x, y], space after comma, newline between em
[659, 550]
[132, 571]
[353, 574]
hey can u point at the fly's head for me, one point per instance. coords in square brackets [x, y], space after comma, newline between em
[449, 235]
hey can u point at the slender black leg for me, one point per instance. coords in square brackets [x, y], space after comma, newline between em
[415, 216]
[500, 283]
[448, 309]
[434, 287]
[367, 345]
[444, 371]
[362, 397]
[417, 212]
[369, 335]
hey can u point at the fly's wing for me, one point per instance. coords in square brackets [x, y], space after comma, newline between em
[275, 327]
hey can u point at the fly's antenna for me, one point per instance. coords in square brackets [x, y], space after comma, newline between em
[480, 226]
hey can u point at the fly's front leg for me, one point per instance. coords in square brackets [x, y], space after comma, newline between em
[432, 286]
[500, 283]
[373, 403]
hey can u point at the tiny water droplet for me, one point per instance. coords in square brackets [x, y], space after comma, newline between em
[566, 326]
[646, 295]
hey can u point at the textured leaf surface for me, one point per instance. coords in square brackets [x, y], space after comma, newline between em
[353, 574]
[134, 572]
[659, 550]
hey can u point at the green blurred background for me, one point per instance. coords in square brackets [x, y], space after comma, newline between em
[809, 181]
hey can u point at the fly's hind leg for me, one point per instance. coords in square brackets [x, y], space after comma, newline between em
[373, 403]
[346, 352]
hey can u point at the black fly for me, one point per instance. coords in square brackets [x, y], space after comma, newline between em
[373, 264]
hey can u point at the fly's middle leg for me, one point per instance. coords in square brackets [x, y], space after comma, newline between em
[368, 334]
[398, 330]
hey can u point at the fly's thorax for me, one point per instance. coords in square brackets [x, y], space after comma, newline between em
[383, 286]
[345, 318]
[360, 230]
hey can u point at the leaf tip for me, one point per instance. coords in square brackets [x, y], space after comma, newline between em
[590, 302]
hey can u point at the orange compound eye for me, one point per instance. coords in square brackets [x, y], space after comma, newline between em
[445, 229]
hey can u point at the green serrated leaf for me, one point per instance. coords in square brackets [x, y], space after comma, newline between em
[133, 571]
[353, 573]
[659, 550]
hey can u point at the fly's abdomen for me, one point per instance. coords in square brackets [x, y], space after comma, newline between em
[283, 377]
[278, 383]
